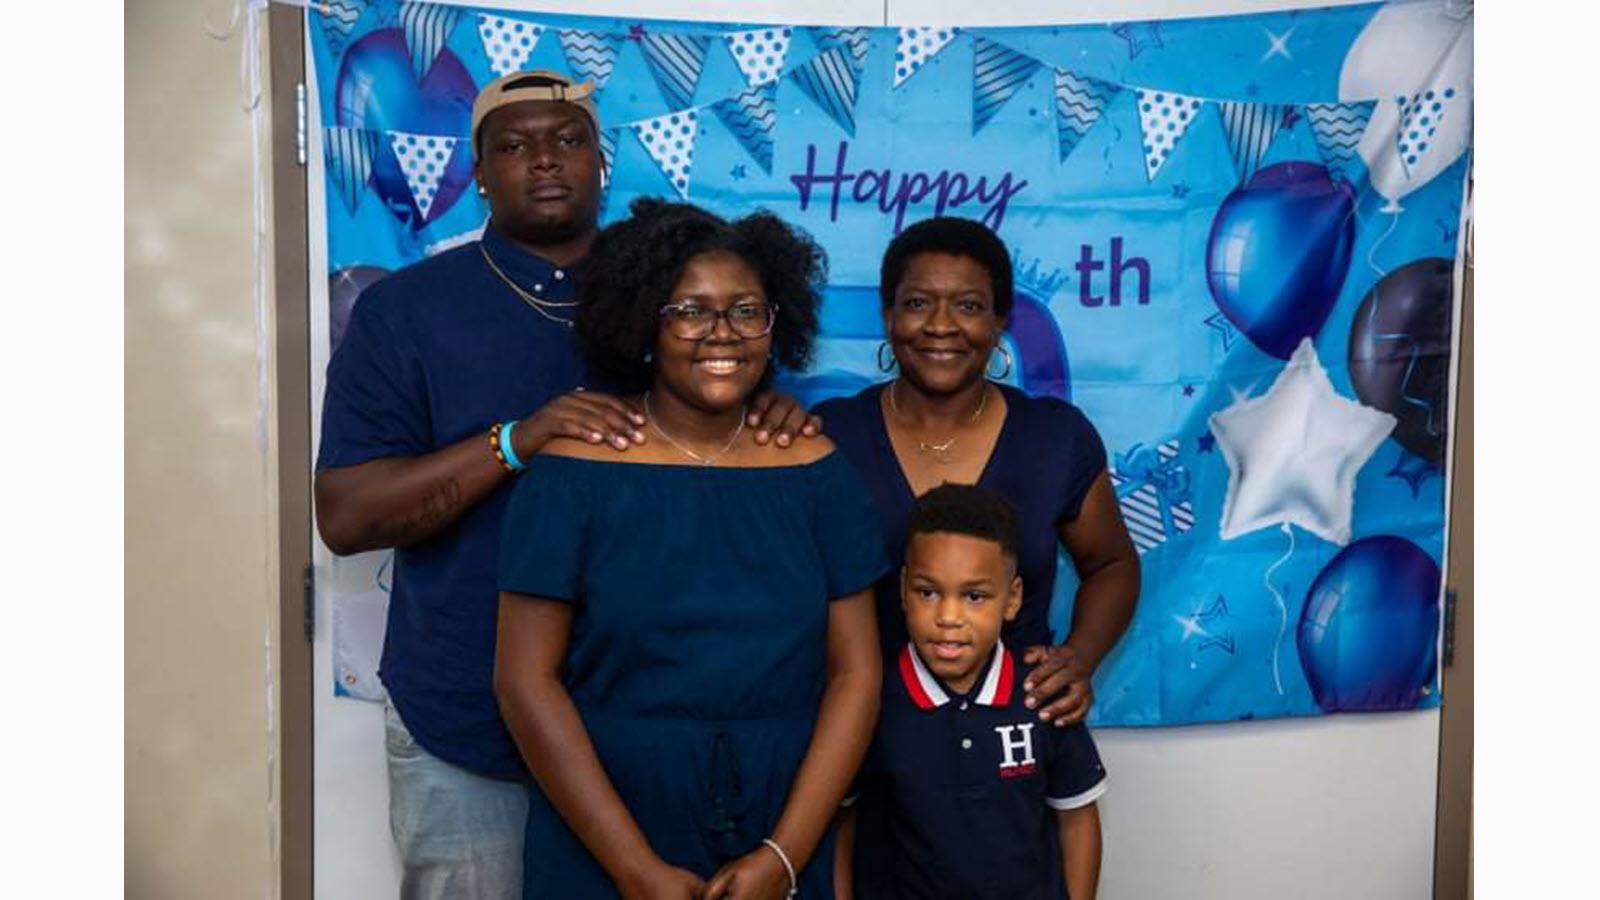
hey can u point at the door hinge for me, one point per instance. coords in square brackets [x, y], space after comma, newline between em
[310, 610]
[1449, 628]
[300, 122]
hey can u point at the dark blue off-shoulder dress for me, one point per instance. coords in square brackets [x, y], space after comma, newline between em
[698, 643]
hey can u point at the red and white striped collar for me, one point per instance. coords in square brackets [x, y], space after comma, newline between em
[926, 691]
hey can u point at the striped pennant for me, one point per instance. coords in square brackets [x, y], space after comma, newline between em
[1080, 102]
[1251, 128]
[917, 45]
[830, 80]
[591, 54]
[1164, 118]
[427, 26]
[608, 152]
[675, 61]
[339, 20]
[422, 158]
[507, 42]
[760, 53]
[349, 152]
[751, 116]
[854, 41]
[669, 140]
[998, 72]
[1338, 128]
[1141, 509]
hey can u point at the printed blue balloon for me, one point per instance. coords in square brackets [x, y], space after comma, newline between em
[344, 288]
[1278, 253]
[1371, 621]
[377, 89]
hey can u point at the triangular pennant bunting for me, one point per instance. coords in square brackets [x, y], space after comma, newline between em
[854, 41]
[1338, 128]
[349, 156]
[422, 158]
[591, 54]
[1080, 102]
[916, 46]
[339, 20]
[1420, 116]
[830, 80]
[1164, 118]
[608, 152]
[751, 116]
[675, 60]
[760, 53]
[997, 73]
[1251, 128]
[507, 42]
[669, 140]
[427, 26]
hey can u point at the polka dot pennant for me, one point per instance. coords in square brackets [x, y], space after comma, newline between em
[669, 140]
[916, 46]
[760, 53]
[507, 42]
[1164, 118]
[1420, 115]
[422, 159]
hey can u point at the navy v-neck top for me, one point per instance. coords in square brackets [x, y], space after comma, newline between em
[1044, 460]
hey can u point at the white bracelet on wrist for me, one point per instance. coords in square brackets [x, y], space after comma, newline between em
[794, 885]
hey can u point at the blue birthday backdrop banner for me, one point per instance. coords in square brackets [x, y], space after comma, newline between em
[1235, 241]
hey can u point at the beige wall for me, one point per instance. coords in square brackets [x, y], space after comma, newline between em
[199, 543]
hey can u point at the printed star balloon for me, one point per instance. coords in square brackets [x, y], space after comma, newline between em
[1293, 452]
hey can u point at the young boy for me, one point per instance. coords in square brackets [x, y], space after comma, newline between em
[980, 798]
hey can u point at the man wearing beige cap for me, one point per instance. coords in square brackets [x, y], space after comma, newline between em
[454, 371]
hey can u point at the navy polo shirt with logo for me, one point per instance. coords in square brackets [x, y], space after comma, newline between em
[436, 353]
[971, 784]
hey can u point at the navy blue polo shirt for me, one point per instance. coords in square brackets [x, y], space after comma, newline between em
[435, 353]
[971, 784]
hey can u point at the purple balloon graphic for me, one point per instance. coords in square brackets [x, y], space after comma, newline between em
[378, 90]
[1400, 352]
[344, 288]
[1367, 635]
[1278, 253]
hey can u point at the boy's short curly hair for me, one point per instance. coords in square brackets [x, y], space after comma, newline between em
[969, 510]
[952, 236]
[635, 263]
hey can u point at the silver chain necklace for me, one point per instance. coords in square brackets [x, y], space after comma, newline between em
[539, 304]
[702, 460]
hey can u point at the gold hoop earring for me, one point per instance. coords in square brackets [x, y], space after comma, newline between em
[886, 366]
[1006, 355]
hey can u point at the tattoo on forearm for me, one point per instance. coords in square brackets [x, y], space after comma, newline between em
[439, 507]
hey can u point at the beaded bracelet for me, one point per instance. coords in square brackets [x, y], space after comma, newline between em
[500, 445]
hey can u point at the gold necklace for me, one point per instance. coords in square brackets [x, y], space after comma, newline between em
[538, 304]
[702, 460]
[939, 449]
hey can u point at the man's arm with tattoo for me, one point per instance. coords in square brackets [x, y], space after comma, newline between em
[398, 501]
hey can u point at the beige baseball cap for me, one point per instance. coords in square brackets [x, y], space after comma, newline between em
[537, 84]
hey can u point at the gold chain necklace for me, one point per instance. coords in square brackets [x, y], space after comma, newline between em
[538, 304]
[702, 460]
[939, 449]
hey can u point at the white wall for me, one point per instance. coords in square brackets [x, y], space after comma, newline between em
[200, 512]
[1336, 807]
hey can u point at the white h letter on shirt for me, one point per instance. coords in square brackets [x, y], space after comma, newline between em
[1010, 744]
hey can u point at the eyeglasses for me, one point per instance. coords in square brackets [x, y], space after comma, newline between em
[692, 322]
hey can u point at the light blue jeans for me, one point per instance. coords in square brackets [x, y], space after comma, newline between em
[459, 834]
